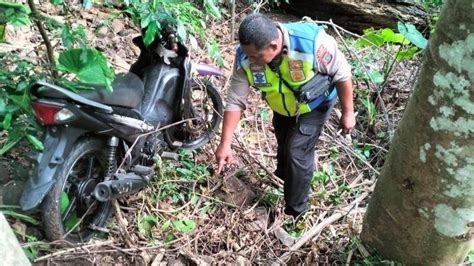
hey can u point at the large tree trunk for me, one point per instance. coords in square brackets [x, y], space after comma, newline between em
[359, 15]
[422, 209]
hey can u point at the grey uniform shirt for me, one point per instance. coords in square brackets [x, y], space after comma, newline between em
[329, 58]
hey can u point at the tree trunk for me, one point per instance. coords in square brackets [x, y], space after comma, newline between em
[422, 209]
[359, 15]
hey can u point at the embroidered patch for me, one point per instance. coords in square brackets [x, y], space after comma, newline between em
[295, 64]
[296, 70]
[259, 77]
[297, 75]
[324, 55]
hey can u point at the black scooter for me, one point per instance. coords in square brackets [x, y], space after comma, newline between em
[99, 146]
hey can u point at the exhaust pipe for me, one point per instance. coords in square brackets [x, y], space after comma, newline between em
[125, 184]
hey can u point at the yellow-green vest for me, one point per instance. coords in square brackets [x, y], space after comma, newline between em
[298, 66]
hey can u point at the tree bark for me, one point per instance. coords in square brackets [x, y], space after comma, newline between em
[359, 15]
[422, 209]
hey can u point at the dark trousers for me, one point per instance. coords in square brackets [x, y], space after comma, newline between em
[296, 140]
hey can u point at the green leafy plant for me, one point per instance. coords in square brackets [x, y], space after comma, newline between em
[335, 198]
[272, 196]
[88, 65]
[15, 14]
[214, 52]
[16, 118]
[322, 177]
[370, 108]
[146, 224]
[73, 35]
[155, 17]
[470, 257]
[33, 247]
[430, 4]
[363, 151]
[408, 35]
[186, 226]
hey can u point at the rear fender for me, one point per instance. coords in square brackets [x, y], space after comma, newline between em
[58, 142]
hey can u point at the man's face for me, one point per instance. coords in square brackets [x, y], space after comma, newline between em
[262, 57]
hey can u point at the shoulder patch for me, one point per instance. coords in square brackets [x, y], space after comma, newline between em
[324, 56]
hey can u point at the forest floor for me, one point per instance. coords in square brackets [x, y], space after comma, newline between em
[189, 215]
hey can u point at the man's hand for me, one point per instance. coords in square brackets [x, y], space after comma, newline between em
[223, 156]
[344, 91]
[347, 122]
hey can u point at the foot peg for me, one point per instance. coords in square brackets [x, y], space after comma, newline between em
[177, 144]
[142, 170]
[170, 155]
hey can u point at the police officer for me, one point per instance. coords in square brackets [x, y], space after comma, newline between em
[279, 59]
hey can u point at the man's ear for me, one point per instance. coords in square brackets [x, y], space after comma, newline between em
[273, 46]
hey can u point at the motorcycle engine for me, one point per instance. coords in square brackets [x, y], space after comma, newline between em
[154, 144]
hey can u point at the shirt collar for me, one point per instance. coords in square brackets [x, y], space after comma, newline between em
[286, 38]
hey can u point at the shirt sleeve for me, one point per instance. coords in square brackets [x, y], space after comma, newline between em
[330, 59]
[239, 89]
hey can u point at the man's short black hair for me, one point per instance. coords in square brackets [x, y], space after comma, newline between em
[257, 29]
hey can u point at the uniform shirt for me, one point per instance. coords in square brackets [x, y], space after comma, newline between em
[330, 60]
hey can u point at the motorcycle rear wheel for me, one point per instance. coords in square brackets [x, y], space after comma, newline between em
[208, 109]
[70, 208]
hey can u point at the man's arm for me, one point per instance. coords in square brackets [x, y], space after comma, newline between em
[236, 102]
[332, 61]
[224, 151]
[344, 92]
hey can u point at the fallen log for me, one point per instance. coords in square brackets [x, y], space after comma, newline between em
[359, 15]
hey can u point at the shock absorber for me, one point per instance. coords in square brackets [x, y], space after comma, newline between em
[112, 143]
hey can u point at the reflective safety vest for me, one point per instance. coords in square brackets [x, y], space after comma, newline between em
[297, 67]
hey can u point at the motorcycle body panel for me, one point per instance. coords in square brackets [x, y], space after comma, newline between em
[58, 142]
[160, 93]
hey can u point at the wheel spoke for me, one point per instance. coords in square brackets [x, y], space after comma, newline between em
[90, 167]
[68, 212]
[74, 179]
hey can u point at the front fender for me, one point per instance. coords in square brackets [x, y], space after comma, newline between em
[58, 142]
[207, 70]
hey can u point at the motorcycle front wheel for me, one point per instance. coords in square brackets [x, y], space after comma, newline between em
[70, 208]
[205, 114]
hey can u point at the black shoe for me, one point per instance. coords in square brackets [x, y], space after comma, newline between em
[296, 215]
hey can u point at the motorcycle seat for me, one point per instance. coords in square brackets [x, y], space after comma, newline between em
[128, 91]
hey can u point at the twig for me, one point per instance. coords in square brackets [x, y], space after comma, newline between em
[332, 24]
[258, 135]
[35, 15]
[349, 149]
[232, 27]
[264, 153]
[277, 181]
[80, 220]
[61, 252]
[123, 228]
[127, 154]
[182, 207]
[377, 89]
[218, 200]
[316, 229]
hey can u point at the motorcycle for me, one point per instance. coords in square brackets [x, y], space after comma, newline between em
[100, 146]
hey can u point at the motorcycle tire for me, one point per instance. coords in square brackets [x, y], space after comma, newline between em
[218, 109]
[70, 208]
